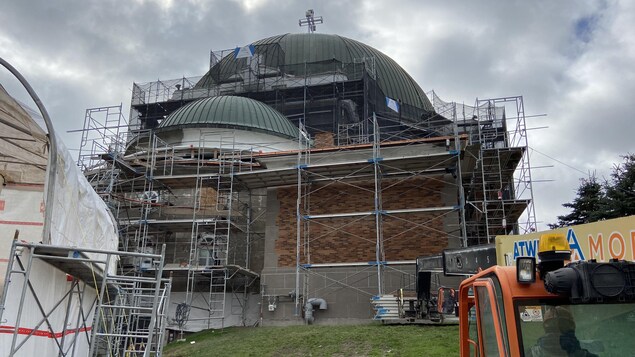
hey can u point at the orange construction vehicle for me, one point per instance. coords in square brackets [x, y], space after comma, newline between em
[547, 306]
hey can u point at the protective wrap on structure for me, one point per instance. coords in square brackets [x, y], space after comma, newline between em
[52, 311]
[80, 216]
[22, 171]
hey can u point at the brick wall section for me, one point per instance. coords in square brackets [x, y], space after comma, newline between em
[208, 197]
[352, 239]
[324, 140]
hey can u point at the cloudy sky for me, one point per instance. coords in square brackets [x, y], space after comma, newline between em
[571, 60]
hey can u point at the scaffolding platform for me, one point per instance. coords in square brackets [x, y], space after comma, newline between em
[351, 170]
[510, 157]
[178, 271]
[120, 163]
[183, 223]
[74, 262]
[123, 312]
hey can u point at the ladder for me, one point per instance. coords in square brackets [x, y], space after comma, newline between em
[130, 315]
[218, 274]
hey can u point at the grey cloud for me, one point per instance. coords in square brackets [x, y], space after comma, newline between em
[572, 60]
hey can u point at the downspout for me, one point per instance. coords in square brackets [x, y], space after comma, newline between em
[309, 307]
[52, 166]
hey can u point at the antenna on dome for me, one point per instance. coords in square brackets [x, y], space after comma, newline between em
[310, 20]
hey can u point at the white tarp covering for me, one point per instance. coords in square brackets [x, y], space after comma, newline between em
[23, 159]
[392, 104]
[245, 51]
[21, 209]
[79, 219]
[80, 216]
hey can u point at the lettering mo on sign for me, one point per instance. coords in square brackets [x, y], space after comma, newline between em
[601, 240]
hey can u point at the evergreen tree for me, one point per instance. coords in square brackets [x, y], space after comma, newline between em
[588, 206]
[620, 191]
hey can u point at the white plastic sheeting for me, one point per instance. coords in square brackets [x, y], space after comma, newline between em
[23, 159]
[79, 219]
[21, 209]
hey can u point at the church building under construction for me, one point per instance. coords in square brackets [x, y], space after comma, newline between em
[301, 176]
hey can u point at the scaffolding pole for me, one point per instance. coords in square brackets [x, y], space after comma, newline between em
[378, 206]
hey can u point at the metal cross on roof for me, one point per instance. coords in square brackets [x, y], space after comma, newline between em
[310, 20]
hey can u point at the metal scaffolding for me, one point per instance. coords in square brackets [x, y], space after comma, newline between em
[497, 181]
[103, 132]
[104, 312]
[485, 156]
[381, 173]
[179, 196]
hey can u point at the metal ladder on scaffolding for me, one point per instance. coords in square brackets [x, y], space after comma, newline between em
[492, 138]
[128, 320]
[493, 191]
[210, 241]
[218, 273]
[193, 259]
[150, 198]
[133, 320]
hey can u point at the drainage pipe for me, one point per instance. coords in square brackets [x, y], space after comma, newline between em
[309, 307]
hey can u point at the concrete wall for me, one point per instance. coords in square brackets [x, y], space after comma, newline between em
[227, 139]
[233, 311]
[347, 291]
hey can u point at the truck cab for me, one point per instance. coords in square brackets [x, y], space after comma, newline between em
[551, 308]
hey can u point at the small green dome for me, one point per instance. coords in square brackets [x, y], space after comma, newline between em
[231, 112]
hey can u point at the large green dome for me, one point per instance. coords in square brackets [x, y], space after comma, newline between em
[313, 53]
[231, 112]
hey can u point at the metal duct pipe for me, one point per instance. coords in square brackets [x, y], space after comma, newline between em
[349, 107]
[299, 104]
[308, 308]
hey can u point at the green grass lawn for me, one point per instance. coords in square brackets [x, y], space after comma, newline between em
[361, 340]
